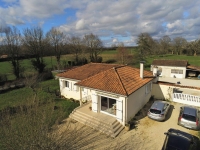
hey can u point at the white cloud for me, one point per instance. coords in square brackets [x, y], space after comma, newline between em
[177, 23]
[110, 17]
[81, 25]
[115, 40]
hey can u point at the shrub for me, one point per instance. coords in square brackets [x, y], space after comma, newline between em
[3, 78]
[110, 61]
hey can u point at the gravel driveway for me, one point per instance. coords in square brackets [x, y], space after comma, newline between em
[147, 134]
[150, 133]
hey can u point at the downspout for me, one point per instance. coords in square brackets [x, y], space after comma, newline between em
[126, 111]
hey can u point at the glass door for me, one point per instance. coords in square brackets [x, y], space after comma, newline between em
[108, 105]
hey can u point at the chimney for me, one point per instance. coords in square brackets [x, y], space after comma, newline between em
[142, 69]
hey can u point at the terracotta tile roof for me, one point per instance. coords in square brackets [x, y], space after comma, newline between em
[163, 62]
[85, 71]
[122, 80]
[4, 56]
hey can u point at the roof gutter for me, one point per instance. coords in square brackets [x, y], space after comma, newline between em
[103, 92]
[67, 78]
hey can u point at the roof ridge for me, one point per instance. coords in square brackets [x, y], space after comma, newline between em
[76, 68]
[95, 75]
[103, 63]
[115, 69]
[91, 63]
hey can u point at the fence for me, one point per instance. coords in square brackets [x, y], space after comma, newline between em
[186, 99]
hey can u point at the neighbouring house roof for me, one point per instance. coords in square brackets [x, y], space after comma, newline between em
[193, 67]
[123, 80]
[162, 62]
[86, 71]
[3, 56]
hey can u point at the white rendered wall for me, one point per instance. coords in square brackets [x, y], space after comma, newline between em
[136, 101]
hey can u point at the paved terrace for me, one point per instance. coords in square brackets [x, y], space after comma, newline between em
[99, 121]
[103, 117]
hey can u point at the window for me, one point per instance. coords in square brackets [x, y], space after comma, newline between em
[177, 71]
[108, 105]
[67, 84]
[155, 111]
[148, 88]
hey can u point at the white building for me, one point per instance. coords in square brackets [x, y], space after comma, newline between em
[116, 90]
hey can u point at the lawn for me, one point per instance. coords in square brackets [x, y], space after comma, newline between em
[24, 96]
[193, 60]
[6, 67]
[32, 112]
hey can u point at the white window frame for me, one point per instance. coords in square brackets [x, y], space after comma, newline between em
[177, 71]
[75, 88]
[67, 84]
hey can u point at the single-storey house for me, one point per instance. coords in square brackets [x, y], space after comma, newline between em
[116, 90]
[169, 68]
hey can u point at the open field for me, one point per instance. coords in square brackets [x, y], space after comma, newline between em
[6, 67]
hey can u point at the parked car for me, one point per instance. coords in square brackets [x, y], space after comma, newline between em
[159, 110]
[189, 117]
[179, 140]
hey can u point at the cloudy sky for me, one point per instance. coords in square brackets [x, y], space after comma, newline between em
[112, 20]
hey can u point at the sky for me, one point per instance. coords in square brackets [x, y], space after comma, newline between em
[113, 21]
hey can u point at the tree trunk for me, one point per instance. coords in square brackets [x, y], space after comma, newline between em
[195, 53]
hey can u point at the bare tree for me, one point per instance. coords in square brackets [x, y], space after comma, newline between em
[33, 127]
[165, 43]
[35, 43]
[57, 40]
[146, 45]
[76, 47]
[122, 54]
[12, 44]
[179, 44]
[194, 47]
[94, 47]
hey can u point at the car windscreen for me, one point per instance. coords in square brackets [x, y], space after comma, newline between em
[189, 117]
[155, 111]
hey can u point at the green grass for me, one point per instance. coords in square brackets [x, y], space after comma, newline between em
[45, 91]
[109, 52]
[193, 60]
[15, 98]
[6, 67]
